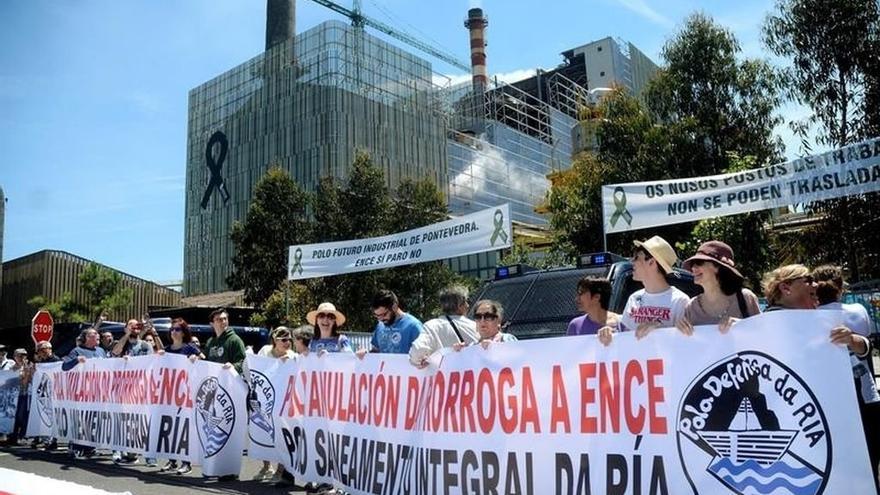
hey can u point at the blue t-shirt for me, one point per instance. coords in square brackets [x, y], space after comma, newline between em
[331, 344]
[398, 338]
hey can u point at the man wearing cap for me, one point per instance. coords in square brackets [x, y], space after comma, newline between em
[44, 353]
[658, 304]
[453, 327]
[22, 410]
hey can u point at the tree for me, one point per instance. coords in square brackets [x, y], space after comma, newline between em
[104, 294]
[276, 219]
[744, 233]
[726, 105]
[704, 106]
[832, 49]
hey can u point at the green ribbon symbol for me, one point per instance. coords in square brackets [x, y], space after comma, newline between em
[620, 207]
[297, 262]
[499, 228]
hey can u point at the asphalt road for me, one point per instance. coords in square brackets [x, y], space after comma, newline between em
[100, 472]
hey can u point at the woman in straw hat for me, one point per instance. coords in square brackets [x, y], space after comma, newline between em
[327, 320]
[724, 299]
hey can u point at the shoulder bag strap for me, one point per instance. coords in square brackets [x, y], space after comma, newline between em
[743, 307]
[457, 332]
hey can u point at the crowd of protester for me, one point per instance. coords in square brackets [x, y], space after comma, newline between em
[723, 301]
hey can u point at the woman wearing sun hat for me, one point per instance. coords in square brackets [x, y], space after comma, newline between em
[327, 320]
[724, 299]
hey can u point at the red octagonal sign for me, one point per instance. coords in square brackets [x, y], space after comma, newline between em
[41, 326]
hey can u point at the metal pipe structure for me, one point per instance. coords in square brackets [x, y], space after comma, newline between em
[280, 21]
[476, 24]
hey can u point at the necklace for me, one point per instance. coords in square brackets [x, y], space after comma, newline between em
[715, 312]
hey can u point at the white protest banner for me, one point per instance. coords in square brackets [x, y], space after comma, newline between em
[220, 417]
[768, 407]
[41, 420]
[847, 171]
[9, 385]
[486, 230]
[161, 406]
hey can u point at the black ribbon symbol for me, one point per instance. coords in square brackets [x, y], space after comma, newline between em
[215, 167]
[499, 228]
[620, 207]
[297, 262]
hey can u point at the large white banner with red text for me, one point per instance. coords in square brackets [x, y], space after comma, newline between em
[768, 408]
[161, 406]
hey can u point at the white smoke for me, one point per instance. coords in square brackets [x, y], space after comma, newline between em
[491, 179]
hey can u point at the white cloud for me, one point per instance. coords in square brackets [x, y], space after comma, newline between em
[641, 8]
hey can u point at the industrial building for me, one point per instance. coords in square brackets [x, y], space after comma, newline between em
[313, 99]
[50, 274]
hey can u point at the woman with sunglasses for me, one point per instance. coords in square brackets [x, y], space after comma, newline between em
[724, 300]
[489, 316]
[327, 320]
[180, 337]
[280, 346]
[793, 287]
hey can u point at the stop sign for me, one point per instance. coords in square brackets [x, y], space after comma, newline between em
[41, 326]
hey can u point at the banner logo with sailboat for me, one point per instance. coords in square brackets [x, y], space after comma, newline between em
[749, 425]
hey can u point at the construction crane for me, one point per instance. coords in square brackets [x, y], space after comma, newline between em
[359, 20]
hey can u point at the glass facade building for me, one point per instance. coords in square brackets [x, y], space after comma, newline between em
[309, 105]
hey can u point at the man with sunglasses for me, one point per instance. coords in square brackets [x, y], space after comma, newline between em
[395, 330]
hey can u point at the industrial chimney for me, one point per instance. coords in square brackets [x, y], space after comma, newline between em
[280, 21]
[476, 23]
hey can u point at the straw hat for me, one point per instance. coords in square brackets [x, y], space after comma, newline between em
[326, 307]
[660, 250]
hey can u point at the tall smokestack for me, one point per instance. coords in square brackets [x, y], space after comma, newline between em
[476, 23]
[280, 21]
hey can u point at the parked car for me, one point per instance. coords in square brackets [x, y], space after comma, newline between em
[540, 303]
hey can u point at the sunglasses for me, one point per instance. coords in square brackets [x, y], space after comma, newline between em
[176, 329]
[485, 316]
[327, 315]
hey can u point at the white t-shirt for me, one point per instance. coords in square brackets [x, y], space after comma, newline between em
[665, 308]
[855, 317]
[438, 333]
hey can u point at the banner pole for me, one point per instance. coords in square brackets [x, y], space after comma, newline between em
[604, 235]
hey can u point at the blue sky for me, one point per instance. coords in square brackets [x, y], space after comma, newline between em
[93, 98]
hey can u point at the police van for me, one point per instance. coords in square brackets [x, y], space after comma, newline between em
[540, 303]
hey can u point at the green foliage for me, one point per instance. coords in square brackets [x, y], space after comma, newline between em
[522, 253]
[359, 208]
[104, 294]
[834, 70]
[276, 219]
[744, 233]
[702, 107]
[286, 306]
[721, 104]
